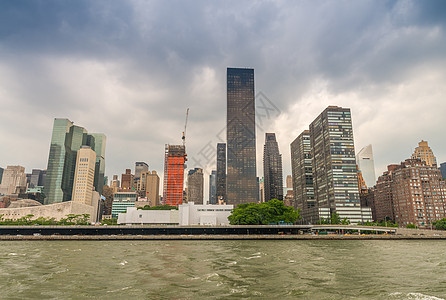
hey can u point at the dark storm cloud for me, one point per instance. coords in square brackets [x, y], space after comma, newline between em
[142, 63]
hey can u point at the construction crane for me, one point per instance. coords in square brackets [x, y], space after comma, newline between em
[185, 126]
[184, 138]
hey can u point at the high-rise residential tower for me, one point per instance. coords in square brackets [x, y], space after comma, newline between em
[195, 184]
[152, 186]
[84, 175]
[424, 153]
[241, 137]
[213, 187]
[366, 164]
[221, 173]
[302, 170]
[272, 168]
[174, 159]
[66, 140]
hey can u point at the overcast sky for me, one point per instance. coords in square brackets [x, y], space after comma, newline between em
[130, 69]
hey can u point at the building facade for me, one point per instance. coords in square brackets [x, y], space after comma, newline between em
[366, 164]
[140, 166]
[13, 181]
[195, 184]
[419, 194]
[302, 174]
[123, 200]
[83, 186]
[213, 187]
[174, 159]
[221, 173]
[241, 137]
[127, 180]
[425, 153]
[66, 140]
[272, 168]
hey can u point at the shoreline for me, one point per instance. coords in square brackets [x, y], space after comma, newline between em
[215, 237]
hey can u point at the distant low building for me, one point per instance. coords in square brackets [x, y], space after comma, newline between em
[186, 215]
[123, 200]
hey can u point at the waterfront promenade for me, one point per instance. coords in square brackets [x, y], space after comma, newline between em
[267, 232]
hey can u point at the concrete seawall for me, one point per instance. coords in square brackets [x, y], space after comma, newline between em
[214, 237]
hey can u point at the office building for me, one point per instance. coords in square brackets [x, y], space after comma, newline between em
[195, 184]
[289, 182]
[1, 174]
[213, 187]
[424, 153]
[66, 140]
[13, 181]
[241, 137]
[174, 159]
[335, 176]
[302, 170]
[127, 180]
[140, 166]
[36, 178]
[123, 200]
[272, 168]
[221, 172]
[83, 186]
[443, 170]
[366, 164]
[151, 187]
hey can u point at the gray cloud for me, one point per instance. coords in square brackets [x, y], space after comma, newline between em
[131, 68]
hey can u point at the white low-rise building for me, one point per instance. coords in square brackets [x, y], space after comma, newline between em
[187, 214]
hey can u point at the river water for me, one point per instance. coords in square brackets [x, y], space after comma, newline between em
[223, 269]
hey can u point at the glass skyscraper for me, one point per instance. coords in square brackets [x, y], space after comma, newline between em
[213, 187]
[272, 168]
[66, 140]
[241, 137]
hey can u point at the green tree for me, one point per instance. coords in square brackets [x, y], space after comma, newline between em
[440, 224]
[410, 225]
[273, 211]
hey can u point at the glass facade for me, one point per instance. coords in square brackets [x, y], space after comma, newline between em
[221, 172]
[121, 201]
[66, 140]
[241, 137]
[213, 187]
[302, 170]
[334, 167]
[272, 168]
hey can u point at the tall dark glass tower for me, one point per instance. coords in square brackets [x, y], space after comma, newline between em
[272, 168]
[213, 187]
[241, 136]
[221, 173]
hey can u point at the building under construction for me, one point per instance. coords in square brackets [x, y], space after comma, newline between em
[174, 159]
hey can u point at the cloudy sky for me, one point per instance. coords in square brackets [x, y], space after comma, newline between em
[130, 69]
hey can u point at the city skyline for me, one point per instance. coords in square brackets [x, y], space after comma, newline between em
[386, 78]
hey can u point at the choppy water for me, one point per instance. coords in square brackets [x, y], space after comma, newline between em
[223, 269]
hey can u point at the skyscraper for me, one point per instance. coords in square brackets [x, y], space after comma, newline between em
[140, 166]
[272, 168]
[241, 137]
[1, 174]
[366, 164]
[66, 140]
[424, 153]
[221, 173]
[302, 170]
[195, 184]
[335, 177]
[174, 159]
[152, 187]
[84, 175]
[213, 187]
